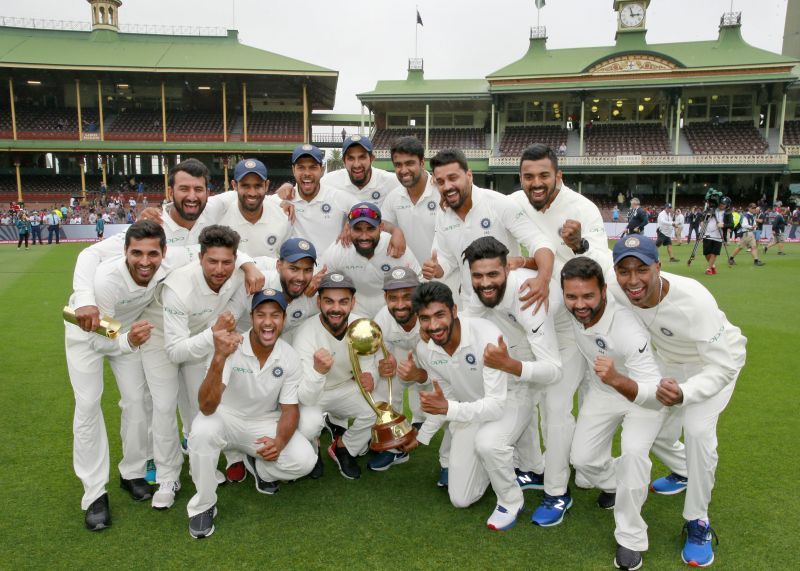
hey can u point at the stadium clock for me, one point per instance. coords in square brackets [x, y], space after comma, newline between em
[631, 15]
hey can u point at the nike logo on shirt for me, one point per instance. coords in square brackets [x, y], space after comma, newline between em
[643, 348]
[537, 329]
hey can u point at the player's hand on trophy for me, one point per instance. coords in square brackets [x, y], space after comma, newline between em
[253, 278]
[313, 285]
[397, 244]
[151, 213]
[225, 322]
[604, 369]
[408, 446]
[388, 366]
[408, 371]
[433, 402]
[367, 381]
[139, 333]
[571, 234]
[226, 342]
[669, 392]
[535, 291]
[88, 317]
[271, 449]
[285, 191]
[496, 356]
[431, 268]
[323, 361]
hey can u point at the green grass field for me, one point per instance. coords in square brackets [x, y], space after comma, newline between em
[397, 519]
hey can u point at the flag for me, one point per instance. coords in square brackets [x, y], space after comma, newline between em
[419, 19]
[539, 4]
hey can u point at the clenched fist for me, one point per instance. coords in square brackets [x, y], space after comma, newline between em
[323, 361]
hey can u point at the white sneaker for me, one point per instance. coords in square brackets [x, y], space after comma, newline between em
[501, 519]
[165, 496]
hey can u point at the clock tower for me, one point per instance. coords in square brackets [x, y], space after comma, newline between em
[631, 16]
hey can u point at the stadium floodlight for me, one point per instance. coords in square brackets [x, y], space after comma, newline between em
[122, 85]
[34, 82]
[204, 88]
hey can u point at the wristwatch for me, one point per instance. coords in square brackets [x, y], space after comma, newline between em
[584, 247]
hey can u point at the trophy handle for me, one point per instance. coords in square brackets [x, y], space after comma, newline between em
[356, 366]
[388, 379]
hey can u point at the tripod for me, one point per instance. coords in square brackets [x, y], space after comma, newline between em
[706, 216]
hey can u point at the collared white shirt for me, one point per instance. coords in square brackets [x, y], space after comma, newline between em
[713, 231]
[417, 221]
[666, 224]
[492, 214]
[620, 335]
[367, 273]
[380, 185]
[253, 391]
[398, 341]
[474, 393]
[693, 340]
[530, 337]
[320, 220]
[264, 238]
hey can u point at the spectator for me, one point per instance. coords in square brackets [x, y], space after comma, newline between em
[615, 214]
[562, 149]
[53, 227]
[794, 220]
[761, 218]
[35, 221]
[64, 211]
[106, 217]
[140, 190]
[679, 220]
[92, 217]
[132, 202]
[131, 217]
[23, 229]
[778, 230]
[100, 226]
[103, 193]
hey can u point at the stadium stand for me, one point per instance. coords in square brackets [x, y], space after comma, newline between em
[734, 138]
[48, 123]
[134, 125]
[283, 126]
[791, 132]
[612, 139]
[439, 138]
[515, 139]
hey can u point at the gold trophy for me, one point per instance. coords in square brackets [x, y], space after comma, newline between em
[109, 327]
[392, 429]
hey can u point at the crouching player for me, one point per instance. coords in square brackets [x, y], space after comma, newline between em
[616, 347]
[248, 401]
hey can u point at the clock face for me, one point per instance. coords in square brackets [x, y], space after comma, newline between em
[632, 15]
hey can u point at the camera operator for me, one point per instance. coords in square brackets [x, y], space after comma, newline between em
[714, 214]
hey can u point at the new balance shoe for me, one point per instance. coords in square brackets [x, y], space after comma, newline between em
[98, 514]
[348, 467]
[150, 472]
[263, 486]
[138, 488]
[552, 509]
[697, 551]
[606, 500]
[334, 430]
[627, 559]
[185, 446]
[202, 524]
[529, 480]
[669, 485]
[319, 468]
[501, 519]
[165, 496]
[385, 460]
[236, 472]
[444, 478]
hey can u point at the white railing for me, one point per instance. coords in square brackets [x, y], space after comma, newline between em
[40, 24]
[657, 160]
[538, 32]
[792, 150]
[75, 26]
[469, 153]
[730, 19]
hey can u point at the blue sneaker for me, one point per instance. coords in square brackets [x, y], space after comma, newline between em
[385, 460]
[697, 550]
[444, 478]
[501, 519]
[552, 509]
[669, 485]
[150, 472]
[529, 480]
[185, 446]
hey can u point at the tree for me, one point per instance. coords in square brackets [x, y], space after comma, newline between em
[335, 162]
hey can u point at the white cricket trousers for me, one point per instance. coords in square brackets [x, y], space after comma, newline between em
[629, 475]
[697, 460]
[418, 415]
[90, 453]
[482, 453]
[345, 401]
[225, 429]
[528, 455]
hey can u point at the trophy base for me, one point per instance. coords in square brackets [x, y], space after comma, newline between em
[393, 434]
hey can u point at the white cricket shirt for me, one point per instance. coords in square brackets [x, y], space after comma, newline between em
[417, 221]
[380, 185]
[320, 220]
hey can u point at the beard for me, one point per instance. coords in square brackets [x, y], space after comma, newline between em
[366, 252]
[501, 292]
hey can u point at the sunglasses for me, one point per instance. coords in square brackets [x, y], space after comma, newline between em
[364, 212]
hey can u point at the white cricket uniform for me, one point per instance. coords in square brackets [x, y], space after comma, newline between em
[619, 335]
[399, 342]
[666, 224]
[484, 423]
[417, 221]
[321, 220]
[381, 184]
[336, 392]
[696, 345]
[367, 273]
[492, 214]
[558, 398]
[250, 409]
[531, 339]
[117, 296]
[264, 238]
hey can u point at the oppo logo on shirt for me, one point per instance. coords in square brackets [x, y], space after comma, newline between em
[201, 312]
[172, 311]
[242, 370]
[440, 362]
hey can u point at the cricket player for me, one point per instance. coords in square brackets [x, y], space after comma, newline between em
[366, 259]
[701, 364]
[666, 230]
[328, 381]
[358, 179]
[248, 401]
[617, 350]
[484, 423]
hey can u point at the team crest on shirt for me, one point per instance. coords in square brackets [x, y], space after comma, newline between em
[431, 205]
[601, 343]
[485, 223]
[297, 314]
[470, 358]
[632, 242]
[277, 372]
[667, 332]
[326, 208]
[376, 195]
[271, 240]
[386, 267]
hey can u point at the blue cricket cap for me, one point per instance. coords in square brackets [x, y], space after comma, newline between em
[357, 140]
[295, 249]
[247, 166]
[268, 294]
[639, 247]
[307, 151]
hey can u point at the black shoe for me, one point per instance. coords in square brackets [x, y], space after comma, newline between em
[98, 516]
[627, 559]
[758, 263]
[606, 500]
[348, 467]
[319, 468]
[202, 524]
[731, 261]
[138, 488]
[335, 430]
[781, 253]
[417, 425]
[263, 486]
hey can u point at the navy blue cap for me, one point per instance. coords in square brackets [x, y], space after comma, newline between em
[268, 294]
[295, 249]
[637, 246]
[668, 205]
[307, 151]
[357, 140]
[247, 166]
[364, 211]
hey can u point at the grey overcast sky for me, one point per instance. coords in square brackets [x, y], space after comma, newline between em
[368, 40]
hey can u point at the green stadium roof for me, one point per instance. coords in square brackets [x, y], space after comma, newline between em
[416, 87]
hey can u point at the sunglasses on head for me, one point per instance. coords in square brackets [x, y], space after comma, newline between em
[364, 212]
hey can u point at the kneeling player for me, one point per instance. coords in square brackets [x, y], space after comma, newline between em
[248, 401]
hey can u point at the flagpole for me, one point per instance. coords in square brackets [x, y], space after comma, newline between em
[416, 32]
